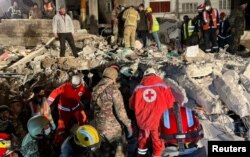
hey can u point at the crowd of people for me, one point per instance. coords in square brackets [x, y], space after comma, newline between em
[47, 11]
[213, 30]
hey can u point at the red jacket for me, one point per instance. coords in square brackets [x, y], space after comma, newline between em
[149, 100]
[69, 97]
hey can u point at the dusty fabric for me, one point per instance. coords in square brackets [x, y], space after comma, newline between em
[109, 110]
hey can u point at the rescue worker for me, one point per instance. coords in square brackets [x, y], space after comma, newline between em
[198, 24]
[210, 27]
[5, 143]
[6, 125]
[131, 17]
[70, 94]
[121, 27]
[109, 111]
[63, 29]
[39, 106]
[154, 27]
[224, 36]
[85, 141]
[15, 12]
[187, 31]
[35, 12]
[114, 22]
[48, 9]
[237, 23]
[149, 100]
[142, 28]
[37, 143]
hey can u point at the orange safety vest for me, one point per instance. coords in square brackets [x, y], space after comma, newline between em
[206, 19]
[41, 110]
[48, 7]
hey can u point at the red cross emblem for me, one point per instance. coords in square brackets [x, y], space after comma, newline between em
[149, 95]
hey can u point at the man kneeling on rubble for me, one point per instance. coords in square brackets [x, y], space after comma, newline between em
[149, 100]
[69, 107]
[63, 28]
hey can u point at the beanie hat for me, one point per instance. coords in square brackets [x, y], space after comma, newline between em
[207, 2]
[4, 108]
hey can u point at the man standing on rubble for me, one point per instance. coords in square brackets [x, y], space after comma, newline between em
[210, 27]
[69, 106]
[142, 28]
[131, 17]
[63, 29]
[154, 27]
[114, 22]
[109, 112]
[237, 23]
[187, 31]
[149, 100]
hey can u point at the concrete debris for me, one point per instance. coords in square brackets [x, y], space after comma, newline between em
[196, 71]
[138, 45]
[195, 54]
[233, 94]
[212, 83]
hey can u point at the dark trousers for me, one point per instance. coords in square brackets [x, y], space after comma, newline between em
[63, 37]
[143, 35]
[211, 37]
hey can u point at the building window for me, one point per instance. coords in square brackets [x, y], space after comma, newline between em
[224, 4]
[160, 7]
[189, 7]
[108, 7]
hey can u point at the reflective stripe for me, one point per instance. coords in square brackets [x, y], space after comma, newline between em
[88, 135]
[142, 151]
[208, 50]
[190, 29]
[190, 118]
[166, 119]
[215, 47]
[67, 109]
[51, 99]
[157, 85]
[156, 26]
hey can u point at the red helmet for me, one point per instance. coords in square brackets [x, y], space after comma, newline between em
[191, 132]
[4, 143]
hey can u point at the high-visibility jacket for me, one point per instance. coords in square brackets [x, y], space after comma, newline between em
[215, 19]
[48, 7]
[155, 26]
[149, 100]
[69, 97]
[188, 29]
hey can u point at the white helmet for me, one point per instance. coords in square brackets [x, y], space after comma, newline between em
[149, 71]
[38, 126]
[76, 81]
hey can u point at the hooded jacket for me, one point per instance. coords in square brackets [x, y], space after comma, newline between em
[149, 100]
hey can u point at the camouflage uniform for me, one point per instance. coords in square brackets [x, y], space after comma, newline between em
[131, 17]
[108, 104]
[237, 22]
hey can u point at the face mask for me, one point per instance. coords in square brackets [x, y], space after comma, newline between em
[207, 7]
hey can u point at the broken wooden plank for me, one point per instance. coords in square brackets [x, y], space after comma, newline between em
[32, 55]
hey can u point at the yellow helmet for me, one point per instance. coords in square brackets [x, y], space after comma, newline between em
[86, 136]
[149, 10]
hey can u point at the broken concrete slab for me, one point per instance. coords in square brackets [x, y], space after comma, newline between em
[232, 93]
[195, 54]
[197, 70]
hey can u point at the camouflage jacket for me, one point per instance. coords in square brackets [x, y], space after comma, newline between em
[109, 110]
[237, 20]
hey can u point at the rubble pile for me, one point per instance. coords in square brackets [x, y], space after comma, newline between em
[212, 84]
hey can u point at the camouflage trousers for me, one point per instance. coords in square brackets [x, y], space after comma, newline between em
[234, 45]
[129, 36]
